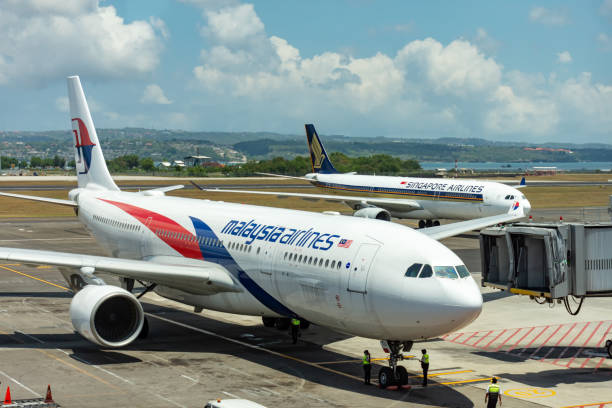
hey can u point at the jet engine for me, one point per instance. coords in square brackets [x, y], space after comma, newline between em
[106, 315]
[373, 212]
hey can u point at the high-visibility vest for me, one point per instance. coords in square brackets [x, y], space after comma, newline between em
[295, 322]
[425, 358]
[366, 359]
[493, 389]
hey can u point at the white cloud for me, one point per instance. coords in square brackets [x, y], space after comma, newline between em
[485, 42]
[564, 57]
[604, 41]
[45, 39]
[426, 89]
[61, 103]
[606, 8]
[548, 16]
[153, 94]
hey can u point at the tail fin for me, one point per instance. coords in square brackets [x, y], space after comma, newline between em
[318, 157]
[90, 165]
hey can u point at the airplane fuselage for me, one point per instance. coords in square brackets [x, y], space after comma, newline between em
[438, 198]
[341, 272]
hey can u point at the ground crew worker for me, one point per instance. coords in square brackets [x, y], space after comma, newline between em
[367, 367]
[295, 329]
[425, 366]
[493, 394]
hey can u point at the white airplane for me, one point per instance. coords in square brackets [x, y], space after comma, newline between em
[358, 276]
[382, 197]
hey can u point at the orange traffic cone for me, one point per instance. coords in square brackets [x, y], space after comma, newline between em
[7, 397]
[49, 397]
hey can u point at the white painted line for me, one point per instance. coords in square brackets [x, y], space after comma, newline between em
[20, 384]
[176, 404]
[189, 378]
[230, 394]
[44, 239]
[270, 391]
[101, 369]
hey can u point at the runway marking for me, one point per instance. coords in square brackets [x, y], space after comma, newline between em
[10, 264]
[508, 339]
[534, 339]
[20, 384]
[34, 277]
[496, 337]
[530, 393]
[466, 381]
[45, 239]
[519, 340]
[482, 338]
[439, 374]
[44, 267]
[584, 344]
[595, 404]
[572, 343]
[176, 404]
[230, 394]
[189, 378]
[558, 342]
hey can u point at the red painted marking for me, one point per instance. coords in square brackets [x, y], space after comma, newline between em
[505, 341]
[601, 360]
[534, 339]
[519, 340]
[460, 334]
[466, 340]
[572, 342]
[482, 338]
[180, 239]
[559, 341]
[598, 345]
[584, 344]
[83, 132]
[545, 341]
[497, 337]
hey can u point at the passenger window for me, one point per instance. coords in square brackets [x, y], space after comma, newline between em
[300, 258]
[333, 264]
[338, 265]
[413, 270]
[463, 271]
[447, 272]
[310, 260]
[426, 272]
[320, 262]
[326, 263]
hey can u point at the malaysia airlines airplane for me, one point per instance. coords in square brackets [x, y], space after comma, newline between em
[382, 197]
[358, 276]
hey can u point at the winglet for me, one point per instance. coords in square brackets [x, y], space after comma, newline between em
[318, 157]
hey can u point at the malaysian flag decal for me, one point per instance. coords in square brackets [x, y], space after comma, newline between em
[345, 243]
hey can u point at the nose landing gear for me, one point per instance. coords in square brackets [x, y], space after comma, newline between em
[394, 374]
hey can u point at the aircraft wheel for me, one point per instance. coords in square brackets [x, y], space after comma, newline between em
[609, 347]
[268, 321]
[402, 375]
[282, 323]
[385, 377]
[421, 223]
[304, 324]
[436, 223]
[428, 223]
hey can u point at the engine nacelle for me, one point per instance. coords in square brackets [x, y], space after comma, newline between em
[106, 315]
[373, 212]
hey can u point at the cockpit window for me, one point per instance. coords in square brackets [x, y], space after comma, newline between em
[426, 272]
[413, 271]
[447, 272]
[463, 271]
[509, 197]
[522, 196]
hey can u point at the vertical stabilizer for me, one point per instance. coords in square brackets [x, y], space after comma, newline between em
[90, 165]
[318, 157]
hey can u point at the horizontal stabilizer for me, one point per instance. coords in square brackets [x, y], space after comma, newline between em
[57, 201]
[165, 189]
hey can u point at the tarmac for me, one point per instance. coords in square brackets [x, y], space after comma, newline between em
[541, 355]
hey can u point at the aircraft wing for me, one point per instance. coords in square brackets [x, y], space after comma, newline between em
[205, 279]
[283, 176]
[393, 204]
[456, 228]
[68, 203]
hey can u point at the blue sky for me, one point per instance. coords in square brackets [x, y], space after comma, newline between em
[522, 70]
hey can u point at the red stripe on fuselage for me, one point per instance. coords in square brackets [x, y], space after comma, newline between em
[166, 229]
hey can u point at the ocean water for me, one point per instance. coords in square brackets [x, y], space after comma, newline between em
[512, 167]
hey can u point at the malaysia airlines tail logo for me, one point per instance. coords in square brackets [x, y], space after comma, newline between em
[83, 144]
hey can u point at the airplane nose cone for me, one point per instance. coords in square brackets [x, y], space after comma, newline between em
[464, 302]
[526, 207]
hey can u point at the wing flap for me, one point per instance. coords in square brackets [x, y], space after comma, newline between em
[204, 279]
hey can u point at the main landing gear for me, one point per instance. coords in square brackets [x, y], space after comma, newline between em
[428, 223]
[394, 374]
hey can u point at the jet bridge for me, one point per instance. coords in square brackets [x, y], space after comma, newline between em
[550, 262]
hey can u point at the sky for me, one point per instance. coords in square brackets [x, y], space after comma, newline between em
[529, 71]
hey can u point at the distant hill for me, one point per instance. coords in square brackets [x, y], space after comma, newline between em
[238, 146]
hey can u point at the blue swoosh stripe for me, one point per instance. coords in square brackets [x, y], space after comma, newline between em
[221, 256]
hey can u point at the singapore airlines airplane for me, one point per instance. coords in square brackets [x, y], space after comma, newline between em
[358, 276]
[381, 197]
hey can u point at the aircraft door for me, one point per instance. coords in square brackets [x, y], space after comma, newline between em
[145, 239]
[358, 273]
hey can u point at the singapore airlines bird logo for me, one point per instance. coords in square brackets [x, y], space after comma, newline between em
[83, 144]
[317, 152]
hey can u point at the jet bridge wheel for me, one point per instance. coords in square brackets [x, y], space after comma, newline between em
[609, 347]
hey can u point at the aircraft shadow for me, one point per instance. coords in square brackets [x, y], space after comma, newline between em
[552, 378]
[168, 337]
[59, 294]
